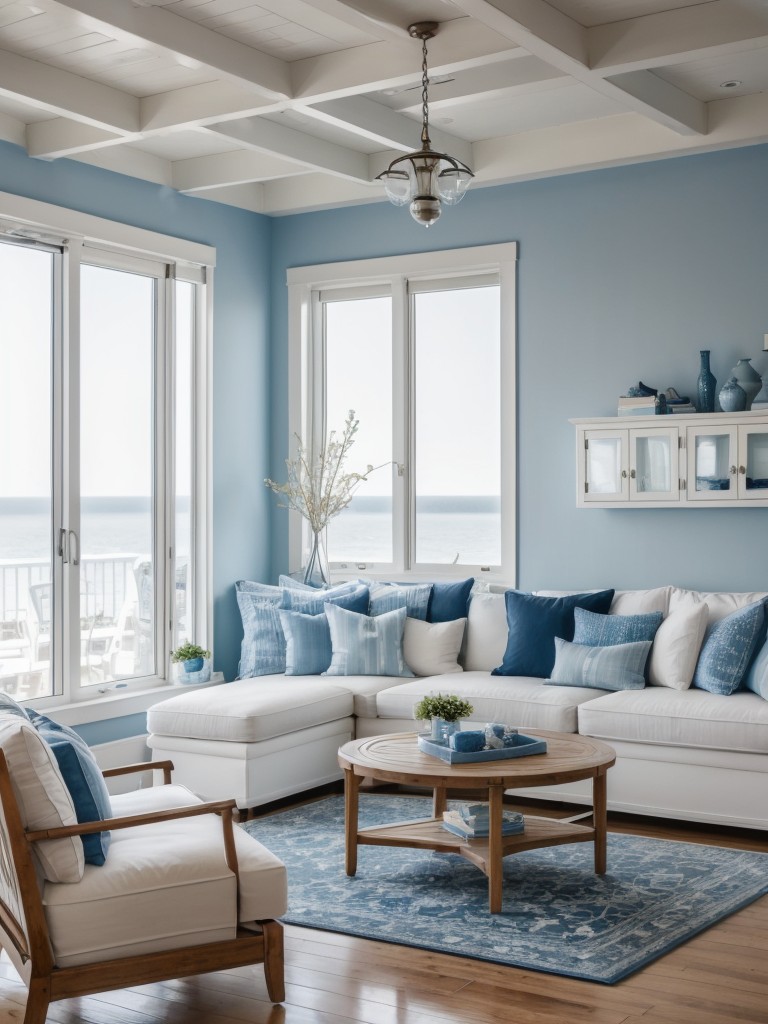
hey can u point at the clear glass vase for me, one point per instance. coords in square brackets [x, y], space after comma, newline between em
[316, 571]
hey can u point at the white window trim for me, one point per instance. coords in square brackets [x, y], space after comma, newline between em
[112, 243]
[418, 268]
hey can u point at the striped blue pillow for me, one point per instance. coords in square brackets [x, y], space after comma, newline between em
[597, 630]
[364, 645]
[386, 597]
[353, 596]
[619, 667]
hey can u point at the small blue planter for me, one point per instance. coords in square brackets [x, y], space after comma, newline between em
[193, 665]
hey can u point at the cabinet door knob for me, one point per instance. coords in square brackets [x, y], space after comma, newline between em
[623, 474]
[733, 470]
[632, 473]
[742, 469]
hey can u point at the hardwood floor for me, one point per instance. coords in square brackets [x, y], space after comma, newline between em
[718, 977]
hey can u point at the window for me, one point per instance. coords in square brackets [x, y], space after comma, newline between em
[102, 492]
[421, 347]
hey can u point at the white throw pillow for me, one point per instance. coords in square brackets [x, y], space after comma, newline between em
[676, 647]
[43, 798]
[432, 648]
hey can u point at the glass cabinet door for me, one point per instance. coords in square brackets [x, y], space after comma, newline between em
[653, 461]
[753, 463]
[606, 469]
[712, 472]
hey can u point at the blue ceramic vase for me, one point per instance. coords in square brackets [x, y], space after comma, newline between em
[733, 398]
[705, 385]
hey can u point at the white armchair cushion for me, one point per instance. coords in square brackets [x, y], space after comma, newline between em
[163, 886]
[43, 798]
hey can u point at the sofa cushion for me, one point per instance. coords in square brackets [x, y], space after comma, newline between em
[676, 647]
[250, 710]
[486, 635]
[367, 644]
[679, 718]
[625, 602]
[432, 648]
[164, 885]
[43, 798]
[596, 630]
[612, 667]
[719, 604]
[518, 702]
[535, 621]
[728, 648]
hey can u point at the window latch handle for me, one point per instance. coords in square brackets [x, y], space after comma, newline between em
[400, 468]
[74, 545]
[62, 546]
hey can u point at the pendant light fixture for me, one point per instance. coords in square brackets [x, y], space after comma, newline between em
[425, 179]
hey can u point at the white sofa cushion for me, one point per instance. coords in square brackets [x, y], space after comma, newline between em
[518, 701]
[676, 646]
[718, 604]
[43, 798]
[486, 638]
[432, 648]
[163, 886]
[250, 710]
[680, 718]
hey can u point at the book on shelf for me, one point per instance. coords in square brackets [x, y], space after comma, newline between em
[641, 410]
[476, 825]
[636, 402]
[681, 407]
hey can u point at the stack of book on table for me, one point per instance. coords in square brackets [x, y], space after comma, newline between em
[643, 405]
[472, 822]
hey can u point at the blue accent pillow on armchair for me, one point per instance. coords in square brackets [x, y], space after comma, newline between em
[533, 624]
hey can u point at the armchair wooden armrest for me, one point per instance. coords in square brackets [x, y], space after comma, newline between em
[143, 766]
[224, 808]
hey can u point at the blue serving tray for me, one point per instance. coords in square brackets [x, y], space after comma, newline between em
[523, 745]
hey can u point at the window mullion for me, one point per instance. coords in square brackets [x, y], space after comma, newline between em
[162, 503]
[401, 430]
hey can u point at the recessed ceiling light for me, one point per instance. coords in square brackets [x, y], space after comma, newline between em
[732, 83]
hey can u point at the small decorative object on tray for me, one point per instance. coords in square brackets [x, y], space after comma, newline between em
[472, 821]
[454, 751]
[445, 713]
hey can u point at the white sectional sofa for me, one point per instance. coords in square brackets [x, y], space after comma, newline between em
[682, 753]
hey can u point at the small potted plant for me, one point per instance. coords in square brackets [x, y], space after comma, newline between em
[191, 656]
[444, 712]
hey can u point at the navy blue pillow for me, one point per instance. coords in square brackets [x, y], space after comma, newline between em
[533, 624]
[449, 601]
[82, 777]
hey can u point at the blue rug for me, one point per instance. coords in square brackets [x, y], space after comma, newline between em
[557, 915]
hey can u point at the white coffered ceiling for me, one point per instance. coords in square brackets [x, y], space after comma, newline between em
[287, 105]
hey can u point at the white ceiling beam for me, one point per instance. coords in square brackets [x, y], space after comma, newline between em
[365, 16]
[459, 45]
[317, 192]
[297, 147]
[384, 126]
[61, 136]
[708, 30]
[197, 105]
[131, 161]
[564, 43]
[61, 92]
[202, 173]
[244, 197]
[12, 130]
[158, 27]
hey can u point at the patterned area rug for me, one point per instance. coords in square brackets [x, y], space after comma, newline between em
[557, 916]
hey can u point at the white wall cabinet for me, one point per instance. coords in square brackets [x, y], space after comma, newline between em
[709, 460]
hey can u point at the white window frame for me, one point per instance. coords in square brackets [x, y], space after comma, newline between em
[86, 239]
[306, 385]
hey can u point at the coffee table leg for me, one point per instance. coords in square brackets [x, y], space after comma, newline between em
[600, 820]
[351, 803]
[495, 851]
[438, 801]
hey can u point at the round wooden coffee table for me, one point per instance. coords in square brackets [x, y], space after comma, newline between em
[397, 758]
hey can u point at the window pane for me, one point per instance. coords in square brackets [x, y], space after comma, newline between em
[185, 328]
[457, 416]
[358, 335]
[26, 279]
[117, 627]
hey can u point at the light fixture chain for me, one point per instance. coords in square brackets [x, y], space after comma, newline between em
[424, 95]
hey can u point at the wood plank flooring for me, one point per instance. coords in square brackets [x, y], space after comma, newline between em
[718, 977]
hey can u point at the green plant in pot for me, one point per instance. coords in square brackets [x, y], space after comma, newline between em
[444, 712]
[191, 656]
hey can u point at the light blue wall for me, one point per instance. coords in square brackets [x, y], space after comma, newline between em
[241, 543]
[624, 275]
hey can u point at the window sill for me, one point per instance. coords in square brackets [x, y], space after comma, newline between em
[117, 705]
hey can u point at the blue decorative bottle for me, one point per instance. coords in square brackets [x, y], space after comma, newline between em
[705, 385]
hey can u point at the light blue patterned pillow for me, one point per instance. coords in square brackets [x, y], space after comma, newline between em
[289, 581]
[364, 645]
[386, 597]
[353, 596]
[597, 630]
[618, 667]
[307, 643]
[756, 678]
[262, 651]
[727, 649]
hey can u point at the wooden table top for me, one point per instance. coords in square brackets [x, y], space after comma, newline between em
[396, 758]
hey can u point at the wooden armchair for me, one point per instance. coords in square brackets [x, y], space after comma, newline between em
[142, 916]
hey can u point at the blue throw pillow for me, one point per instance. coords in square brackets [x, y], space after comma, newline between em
[307, 643]
[728, 648]
[352, 596]
[364, 645]
[615, 667]
[596, 630]
[450, 601]
[533, 624]
[262, 651]
[756, 678]
[83, 778]
[414, 597]
[289, 581]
